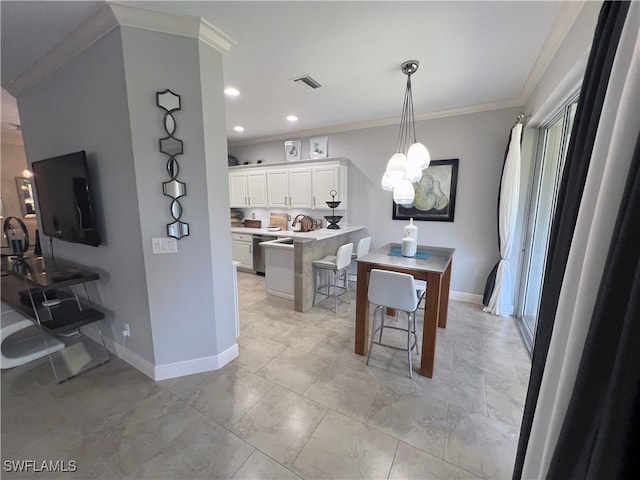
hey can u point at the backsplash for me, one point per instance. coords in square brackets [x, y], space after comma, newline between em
[263, 215]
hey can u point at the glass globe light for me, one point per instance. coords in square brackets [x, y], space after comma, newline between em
[387, 184]
[419, 154]
[397, 167]
[403, 193]
[414, 171]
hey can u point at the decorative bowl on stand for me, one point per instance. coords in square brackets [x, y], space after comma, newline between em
[333, 219]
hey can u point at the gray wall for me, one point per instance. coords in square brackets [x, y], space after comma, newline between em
[178, 305]
[83, 106]
[181, 293]
[478, 140]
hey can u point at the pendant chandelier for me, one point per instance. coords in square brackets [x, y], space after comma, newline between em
[411, 157]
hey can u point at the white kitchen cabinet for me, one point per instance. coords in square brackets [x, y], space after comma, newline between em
[242, 250]
[300, 187]
[290, 188]
[257, 183]
[305, 186]
[238, 191]
[248, 189]
[278, 187]
[326, 178]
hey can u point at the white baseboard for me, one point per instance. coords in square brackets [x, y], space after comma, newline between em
[465, 297]
[132, 358]
[172, 370]
[198, 365]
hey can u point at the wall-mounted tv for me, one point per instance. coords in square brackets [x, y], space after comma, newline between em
[64, 195]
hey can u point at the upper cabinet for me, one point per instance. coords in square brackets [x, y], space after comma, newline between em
[248, 189]
[308, 185]
[328, 178]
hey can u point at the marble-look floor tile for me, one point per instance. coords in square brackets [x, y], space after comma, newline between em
[505, 399]
[411, 462]
[224, 395]
[457, 387]
[293, 369]
[260, 467]
[415, 418]
[348, 391]
[483, 361]
[256, 352]
[280, 424]
[205, 450]
[480, 444]
[303, 338]
[129, 439]
[344, 448]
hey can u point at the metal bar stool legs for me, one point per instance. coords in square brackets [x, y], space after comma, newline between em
[398, 291]
[337, 265]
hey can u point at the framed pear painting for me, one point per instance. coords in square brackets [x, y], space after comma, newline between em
[435, 198]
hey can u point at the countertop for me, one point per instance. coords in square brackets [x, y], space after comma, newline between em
[299, 237]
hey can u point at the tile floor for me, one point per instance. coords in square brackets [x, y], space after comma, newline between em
[297, 403]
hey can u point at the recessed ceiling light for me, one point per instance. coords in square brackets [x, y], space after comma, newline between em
[232, 92]
[292, 118]
[238, 128]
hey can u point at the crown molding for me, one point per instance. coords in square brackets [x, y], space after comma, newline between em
[382, 122]
[96, 26]
[181, 25]
[103, 20]
[564, 21]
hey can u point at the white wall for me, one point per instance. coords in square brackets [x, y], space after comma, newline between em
[478, 140]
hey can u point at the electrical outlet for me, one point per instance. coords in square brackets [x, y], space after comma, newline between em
[125, 330]
[253, 216]
[288, 218]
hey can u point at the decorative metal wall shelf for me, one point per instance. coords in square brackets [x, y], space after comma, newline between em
[172, 147]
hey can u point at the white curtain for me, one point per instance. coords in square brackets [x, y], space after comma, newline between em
[501, 299]
[608, 169]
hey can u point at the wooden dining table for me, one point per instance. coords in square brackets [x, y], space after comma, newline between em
[435, 270]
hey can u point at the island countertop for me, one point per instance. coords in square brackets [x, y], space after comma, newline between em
[300, 237]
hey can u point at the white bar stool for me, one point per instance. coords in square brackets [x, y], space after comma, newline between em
[394, 290]
[361, 249]
[337, 264]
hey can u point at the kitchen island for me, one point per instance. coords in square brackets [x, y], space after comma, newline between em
[307, 247]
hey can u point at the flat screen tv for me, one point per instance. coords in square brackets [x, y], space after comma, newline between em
[64, 195]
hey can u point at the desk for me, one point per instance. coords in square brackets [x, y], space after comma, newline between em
[31, 282]
[435, 270]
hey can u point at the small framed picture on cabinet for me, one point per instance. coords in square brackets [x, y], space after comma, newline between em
[292, 150]
[319, 147]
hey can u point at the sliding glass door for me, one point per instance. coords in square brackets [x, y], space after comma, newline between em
[554, 140]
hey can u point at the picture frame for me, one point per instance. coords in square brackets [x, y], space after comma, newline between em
[435, 194]
[319, 147]
[292, 150]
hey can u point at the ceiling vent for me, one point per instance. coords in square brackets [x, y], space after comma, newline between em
[306, 82]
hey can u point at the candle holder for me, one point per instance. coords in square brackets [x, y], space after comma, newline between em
[333, 219]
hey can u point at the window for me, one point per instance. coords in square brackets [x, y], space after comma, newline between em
[553, 140]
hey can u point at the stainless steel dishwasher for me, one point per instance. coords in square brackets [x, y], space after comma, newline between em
[258, 252]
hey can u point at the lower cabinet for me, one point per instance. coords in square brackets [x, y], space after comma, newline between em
[242, 250]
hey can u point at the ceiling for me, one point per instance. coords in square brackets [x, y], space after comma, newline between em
[473, 56]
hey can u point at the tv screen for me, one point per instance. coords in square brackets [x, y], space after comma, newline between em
[63, 190]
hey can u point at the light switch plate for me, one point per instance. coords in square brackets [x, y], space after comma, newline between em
[164, 245]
